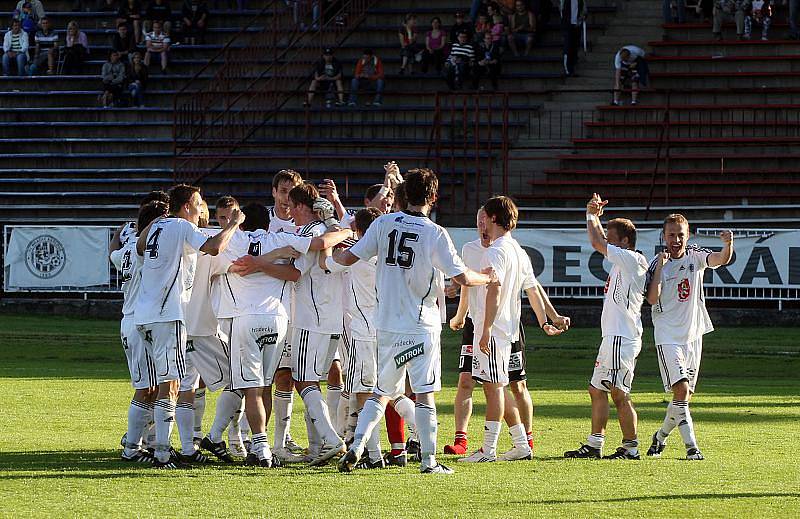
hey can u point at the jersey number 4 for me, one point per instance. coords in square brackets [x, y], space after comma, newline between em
[400, 253]
[152, 244]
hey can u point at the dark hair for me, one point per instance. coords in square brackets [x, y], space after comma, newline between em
[226, 201]
[155, 196]
[180, 195]
[122, 24]
[256, 216]
[421, 186]
[304, 194]
[149, 212]
[364, 218]
[400, 196]
[111, 53]
[436, 19]
[503, 210]
[625, 229]
[285, 175]
[372, 191]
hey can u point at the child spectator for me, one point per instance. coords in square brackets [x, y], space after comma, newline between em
[138, 80]
[28, 20]
[409, 48]
[488, 61]
[157, 42]
[523, 28]
[195, 19]
[130, 13]
[481, 26]
[36, 6]
[15, 49]
[123, 43]
[113, 75]
[327, 73]
[435, 42]
[760, 13]
[158, 11]
[46, 49]
[498, 28]
[368, 74]
[726, 8]
[630, 71]
[460, 26]
[77, 49]
[460, 62]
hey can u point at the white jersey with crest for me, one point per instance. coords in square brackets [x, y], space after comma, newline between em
[318, 293]
[129, 266]
[411, 252]
[363, 300]
[200, 318]
[168, 270]
[278, 224]
[624, 293]
[680, 315]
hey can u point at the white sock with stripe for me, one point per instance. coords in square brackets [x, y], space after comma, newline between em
[314, 440]
[282, 409]
[199, 411]
[374, 445]
[491, 433]
[596, 440]
[680, 411]
[332, 396]
[228, 404]
[668, 425]
[164, 417]
[368, 419]
[405, 408]
[427, 428]
[518, 436]
[260, 446]
[184, 417]
[138, 416]
[342, 411]
[312, 398]
[353, 411]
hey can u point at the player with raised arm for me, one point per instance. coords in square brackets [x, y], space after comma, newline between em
[411, 253]
[621, 324]
[680, 318]
[170, 247]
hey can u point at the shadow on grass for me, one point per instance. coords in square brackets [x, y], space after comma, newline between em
[680, 496]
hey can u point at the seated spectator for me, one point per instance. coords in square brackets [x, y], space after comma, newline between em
[460, 62]
[726, 8]
[498, 30]
[76, 50]
[760, 13]
[123, 43]
[113, 75]
[158, 11]
[36, 6]
[435, 43]
[459, 26]
[630, 71]
[481, 26]
[674, 11]
[368, 75]
[487, 61]
[130, 13]
[15, 49]
[195, 20]
[410, 49]
[157, 42]
[138, 80]
[46, 52]
[523, 29]
[28, 20]
[327, 74]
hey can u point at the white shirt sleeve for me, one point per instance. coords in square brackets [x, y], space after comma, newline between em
[496, 259]
[529, 278]
[444, 257]
[192, 235]
[298, 243]
[116, 258]
[367, 246]
[625, 259]
[617, 61]
[334, 266]
[304, 263]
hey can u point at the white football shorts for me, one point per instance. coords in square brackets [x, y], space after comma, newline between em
[616, 363]
[312, 354]
[256, 345]
[207, 357]
[362, 366]
[418, 355]
[166, 345]
[140, 364]
[679, 362]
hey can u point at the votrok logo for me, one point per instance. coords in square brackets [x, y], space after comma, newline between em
[45, 257]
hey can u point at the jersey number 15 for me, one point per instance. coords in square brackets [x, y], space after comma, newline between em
[400, 252]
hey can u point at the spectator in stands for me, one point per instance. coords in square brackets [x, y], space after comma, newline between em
[481, 26]
[630, 72]
[523, 28]
[327, 73]
[157, 42]
[674, 11]
[138, 80]
[410, 49]
[487, 61]
[28, 20]
[15, 49]
[123, 42]
[130, 13]
[76, 49]
[726, 8]
[435, 43]
[368, 75]
[573, 14]
[36, 6]
[158, 11]
[46, 52]
[760, 13]
[113, 75]
[195, 20]
[498, 30]
[460, 62]
[460, 25]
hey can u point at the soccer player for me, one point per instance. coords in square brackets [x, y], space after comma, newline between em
[498, 326]
[621, 324]
[170, 247]
[411, 252]
[680, 319]
[140, 365]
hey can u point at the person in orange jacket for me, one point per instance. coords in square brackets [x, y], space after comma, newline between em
[368, 75]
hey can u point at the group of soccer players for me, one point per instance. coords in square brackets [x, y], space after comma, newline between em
[306, 291]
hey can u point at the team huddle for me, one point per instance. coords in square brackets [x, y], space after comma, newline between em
[308, 292]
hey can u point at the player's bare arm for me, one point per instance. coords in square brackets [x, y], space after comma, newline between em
[561, 322]
[330, 239]
[723, 257]
[277, 271]
[345, 257]
[458, 320]
[249, 264]
[654, 289]
[489, 315]
[116, 244]
[594, 209]
[219, 242]
[538, 306]
[470, 278]
[327, 189]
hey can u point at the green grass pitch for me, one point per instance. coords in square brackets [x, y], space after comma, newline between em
[64, 395]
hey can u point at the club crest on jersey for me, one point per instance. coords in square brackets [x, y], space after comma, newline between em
[608, 282]
[405, 356]
[45, 257]
[684, 290]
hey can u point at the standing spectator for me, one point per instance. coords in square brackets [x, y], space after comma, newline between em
[77, 49]
[460, 26]
[488, 61]
[46, 49]
[435, 43]
[481, 26]
[15, 49]
[368, 74]
[123, 43]
[725, 8]
[158, 11]
[630, 71]
[195, 20]
[113, 75]
[460, 62]
[327, 73]
[523, 28]
[130, 13]
[138, 80]
[36, 6]
[674, 11]
[157, 42]
[28, 20]
[573, 13]
[760, 13]
[409, 47]
[498, 30]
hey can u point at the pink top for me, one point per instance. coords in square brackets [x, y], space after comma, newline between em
[497, 31]
[82, 40]
[436, 43]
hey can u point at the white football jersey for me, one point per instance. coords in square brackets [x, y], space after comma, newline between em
[277, 224]
[128, 232]
[348, 220]
[624, 293]
[168, 270]
[411, 252]
[129, 266]
[472, 253]
[680, 315]
[200, 318]
[363, 300]
[318, 293]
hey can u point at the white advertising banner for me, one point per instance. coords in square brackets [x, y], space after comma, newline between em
[52, 257]
[565, 257]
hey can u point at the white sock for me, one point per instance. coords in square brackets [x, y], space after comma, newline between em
[632, 446]
[164, 417]
[491, 433]
[199, 411]
[138, 415]
[314, 440]
[332, 397]
[228, 403]
[596, 440]
[149, 433]
[342, 409]
[680, 411]
[184, 417]
[668, 425]
[374, 445]
[368, 419]
[427, 427]
[352, 418]
[282, 409]
[260, 446]
[244, 425]
[318, 411]
[405, 408]
[518, 436]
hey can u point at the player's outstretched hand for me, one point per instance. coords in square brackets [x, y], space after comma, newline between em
[561, 322]
[596, 205]
[244, 266]
[726, 237]
[489, 271]
[663, 258]
[324, 208]
[237, 217]
[393, 176]
[551, 330]
[483, 344]
[456, 323]
[283, 253]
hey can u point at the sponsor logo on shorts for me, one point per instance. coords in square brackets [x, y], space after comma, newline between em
[466, 349]
[405, 356]
[189, 346]
[475, 363]
[515, 362]
[45, 257]
[124, 343]
[148, 336]
[264, 337]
